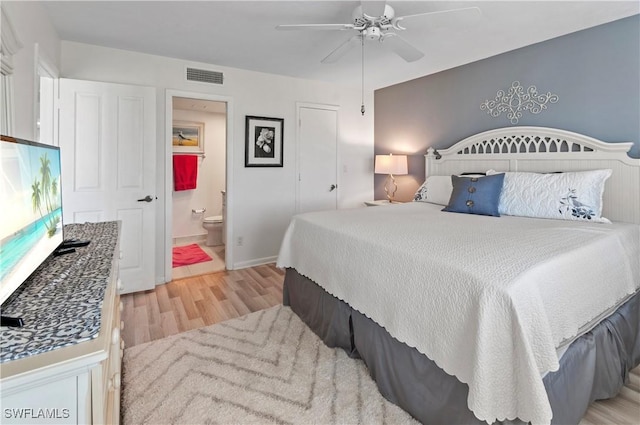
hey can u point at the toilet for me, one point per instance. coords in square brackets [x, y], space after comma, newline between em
[213, 225]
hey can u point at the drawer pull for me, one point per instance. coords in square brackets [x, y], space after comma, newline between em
[122, 325]
[115, 336]
[120, 255]
[121, 306]
[120, 285]
[122, 344]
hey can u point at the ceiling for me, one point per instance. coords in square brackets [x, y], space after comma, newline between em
[241, 34]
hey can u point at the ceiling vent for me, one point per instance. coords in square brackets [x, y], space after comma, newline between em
[204, 76]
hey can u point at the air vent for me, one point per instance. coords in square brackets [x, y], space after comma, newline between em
[204, 76]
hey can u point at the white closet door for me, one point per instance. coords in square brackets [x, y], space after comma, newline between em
[107, 144]
[317, 158]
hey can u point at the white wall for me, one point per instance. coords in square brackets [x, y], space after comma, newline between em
[33, 26]
[211, 176]
[263, 198]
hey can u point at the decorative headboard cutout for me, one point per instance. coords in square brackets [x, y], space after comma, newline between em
[524, 144]
[542, 149]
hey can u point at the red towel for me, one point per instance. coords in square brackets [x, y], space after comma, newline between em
[185, 172]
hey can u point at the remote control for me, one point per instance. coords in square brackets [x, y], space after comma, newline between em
[74, 243]
[62, 251]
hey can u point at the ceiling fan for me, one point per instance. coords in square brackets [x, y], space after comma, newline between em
[376, 20]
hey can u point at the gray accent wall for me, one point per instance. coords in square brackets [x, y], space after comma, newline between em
[595, 73]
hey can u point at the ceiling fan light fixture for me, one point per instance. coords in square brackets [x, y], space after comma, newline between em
[377, 21]
[372, 33]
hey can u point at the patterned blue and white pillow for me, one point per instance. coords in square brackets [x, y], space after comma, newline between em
[435, 190]
[565, 196]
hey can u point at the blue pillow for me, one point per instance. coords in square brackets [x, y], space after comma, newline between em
[476, 195]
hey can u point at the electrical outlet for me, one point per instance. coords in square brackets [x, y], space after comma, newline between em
[240, 240]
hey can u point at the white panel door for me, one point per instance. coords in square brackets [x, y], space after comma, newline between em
[107, 146]
[317, 159]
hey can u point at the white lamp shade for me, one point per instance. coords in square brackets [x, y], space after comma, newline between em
[391, 164]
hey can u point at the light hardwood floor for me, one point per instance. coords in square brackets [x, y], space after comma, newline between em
[198, 301]
[193, 302]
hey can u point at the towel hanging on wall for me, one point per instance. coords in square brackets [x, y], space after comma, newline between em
[185, 172]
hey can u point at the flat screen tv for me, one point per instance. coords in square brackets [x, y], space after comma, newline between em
[30, 209]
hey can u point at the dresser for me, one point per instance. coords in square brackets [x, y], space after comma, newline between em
[63, 366]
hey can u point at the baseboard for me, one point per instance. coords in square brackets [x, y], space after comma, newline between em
[185, 240]
[255, 262]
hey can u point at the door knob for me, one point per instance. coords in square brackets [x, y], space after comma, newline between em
[332, 187]
[146, 199]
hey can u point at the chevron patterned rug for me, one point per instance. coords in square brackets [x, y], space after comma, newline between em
[265, 367]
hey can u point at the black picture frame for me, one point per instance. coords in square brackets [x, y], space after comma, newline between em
[263, 142]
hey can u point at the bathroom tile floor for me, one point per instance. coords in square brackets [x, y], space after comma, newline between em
[215, 265]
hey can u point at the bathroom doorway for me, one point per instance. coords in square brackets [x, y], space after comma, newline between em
[198, 175]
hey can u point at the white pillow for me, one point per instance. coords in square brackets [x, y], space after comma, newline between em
[435, 190]
[565, 196]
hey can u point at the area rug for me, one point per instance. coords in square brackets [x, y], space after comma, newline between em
[189, 254]
[265, 367]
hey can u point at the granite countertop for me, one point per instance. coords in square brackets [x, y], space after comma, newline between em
[61, 302]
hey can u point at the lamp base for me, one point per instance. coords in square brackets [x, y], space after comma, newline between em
[392, 180]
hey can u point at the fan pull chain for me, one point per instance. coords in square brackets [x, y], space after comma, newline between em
[362, 107]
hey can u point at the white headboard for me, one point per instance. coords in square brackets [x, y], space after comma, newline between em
[541, 149]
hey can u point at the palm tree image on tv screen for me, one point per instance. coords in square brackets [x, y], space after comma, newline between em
[45, 191]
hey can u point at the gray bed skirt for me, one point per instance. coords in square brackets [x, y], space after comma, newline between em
[594, 367]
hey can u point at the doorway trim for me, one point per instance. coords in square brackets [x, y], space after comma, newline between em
[168, 183]
[45, 68]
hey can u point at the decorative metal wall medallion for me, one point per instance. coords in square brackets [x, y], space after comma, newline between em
[516, 100]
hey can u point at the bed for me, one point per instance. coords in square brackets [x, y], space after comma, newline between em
[465, 318]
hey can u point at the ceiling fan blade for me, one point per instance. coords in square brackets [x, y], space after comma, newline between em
[342, 49]
[402, 47]
[315, 27]
[456, 17]
[373, 8]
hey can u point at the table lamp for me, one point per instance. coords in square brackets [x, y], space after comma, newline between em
[390, 165]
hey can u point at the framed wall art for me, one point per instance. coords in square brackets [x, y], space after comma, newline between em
[188, 136]
[263, 145]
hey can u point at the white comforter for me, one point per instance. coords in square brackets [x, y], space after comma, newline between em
[488, 299]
